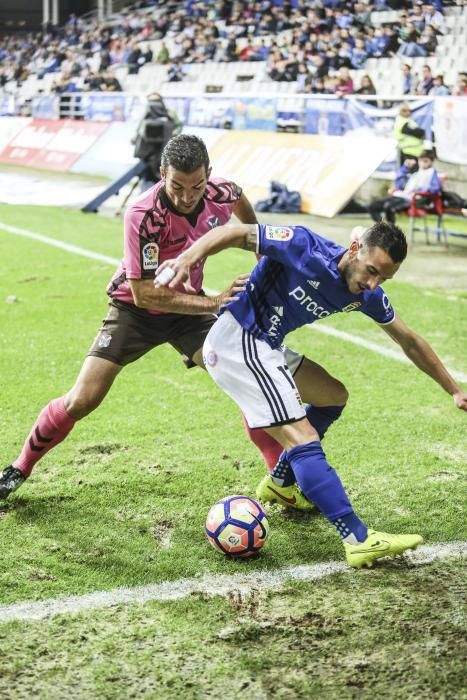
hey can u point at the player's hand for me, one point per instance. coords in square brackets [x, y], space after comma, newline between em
[232, 292]
[173, 273]
[460, 399]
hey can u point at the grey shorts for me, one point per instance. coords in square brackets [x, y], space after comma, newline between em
[127, 333]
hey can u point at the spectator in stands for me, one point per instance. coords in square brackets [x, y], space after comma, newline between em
[377, 44]
[438, 88]
[359, 55]
[344, 84]
[425, 179]
[392, 41]
[175, 72]
[410, 46]
[460, 87]
[428, 40]
[409, 83]
[163, 56]
[433, 18]
[410, 136]
[367, 88]
[426, 82]
[417, 18]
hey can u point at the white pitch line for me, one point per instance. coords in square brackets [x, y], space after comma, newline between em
[69, 247]
[394, 354]
[212, 585]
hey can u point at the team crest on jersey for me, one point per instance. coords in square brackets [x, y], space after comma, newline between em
[213, 221]
[150, 254]
[279, 233]
[104, 340]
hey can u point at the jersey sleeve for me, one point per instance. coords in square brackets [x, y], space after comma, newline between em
[140, 253]
[294, 246]
[377, 306]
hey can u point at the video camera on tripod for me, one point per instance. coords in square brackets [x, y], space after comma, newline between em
[151, 138]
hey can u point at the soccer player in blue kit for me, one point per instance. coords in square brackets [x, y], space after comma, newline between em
[301, 278]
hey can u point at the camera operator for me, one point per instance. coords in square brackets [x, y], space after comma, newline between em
[156, 127]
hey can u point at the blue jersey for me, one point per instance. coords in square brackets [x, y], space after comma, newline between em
[296, 283]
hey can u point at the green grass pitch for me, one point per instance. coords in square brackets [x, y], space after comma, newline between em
[122, 502]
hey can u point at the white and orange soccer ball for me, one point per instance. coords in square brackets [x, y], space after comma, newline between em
[237, 526]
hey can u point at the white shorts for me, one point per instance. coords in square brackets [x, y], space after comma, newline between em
[254, 375]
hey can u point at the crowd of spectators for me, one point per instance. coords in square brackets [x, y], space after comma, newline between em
[314, 44]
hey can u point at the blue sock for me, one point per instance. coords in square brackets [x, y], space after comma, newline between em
[320, 419]
[282, 474]
[350, 528]
[322, 486]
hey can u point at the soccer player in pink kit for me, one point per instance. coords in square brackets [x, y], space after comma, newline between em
[163, 222]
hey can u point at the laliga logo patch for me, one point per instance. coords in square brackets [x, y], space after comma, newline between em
[150, 254]
[279, 233]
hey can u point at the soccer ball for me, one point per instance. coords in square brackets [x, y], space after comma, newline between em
[237, 525]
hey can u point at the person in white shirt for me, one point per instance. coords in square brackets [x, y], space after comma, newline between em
[425, 179]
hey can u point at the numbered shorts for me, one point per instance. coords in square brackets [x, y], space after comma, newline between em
[254, 375]
[127, 333]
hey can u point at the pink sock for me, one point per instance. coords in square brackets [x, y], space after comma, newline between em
[269, 448]
[51, 427]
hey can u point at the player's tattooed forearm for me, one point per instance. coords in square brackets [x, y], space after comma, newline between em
[251, 239]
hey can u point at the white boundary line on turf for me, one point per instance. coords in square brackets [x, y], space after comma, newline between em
[394, 354]
[210, 585]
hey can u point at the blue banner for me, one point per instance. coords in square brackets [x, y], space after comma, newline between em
[218, 112]
[116, 107]
[45, 107]
[255, 113]
[361, 114]
[7, 105]
[324, 117]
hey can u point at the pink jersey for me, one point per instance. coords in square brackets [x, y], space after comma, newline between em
[154, 232]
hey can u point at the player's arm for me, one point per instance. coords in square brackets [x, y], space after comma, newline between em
[228, 236]
[244, 211]
[147, 296]
[424, 357]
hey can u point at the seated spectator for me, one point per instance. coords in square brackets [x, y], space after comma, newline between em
[410, 46]
[409, 84]
[392, 41]
[174, 72]
[359, 55]
[367, 88]
[426, 82]
[417, 18]
[425, 179]
[433, 18]
[460, 88]
[377, 44]
[163, 56]
[428, 40]
[439, 88]
[344, 84]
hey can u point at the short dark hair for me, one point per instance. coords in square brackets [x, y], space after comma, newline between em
[186, 153]
[389, 237]
[427, 154]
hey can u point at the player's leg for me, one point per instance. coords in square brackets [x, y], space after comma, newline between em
[376, 208]
[249, 371]
[120, 340]
[190, 344]
[321, 484]
[325, 398]
[57, 419]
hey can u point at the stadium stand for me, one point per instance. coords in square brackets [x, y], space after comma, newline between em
[189, 48]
